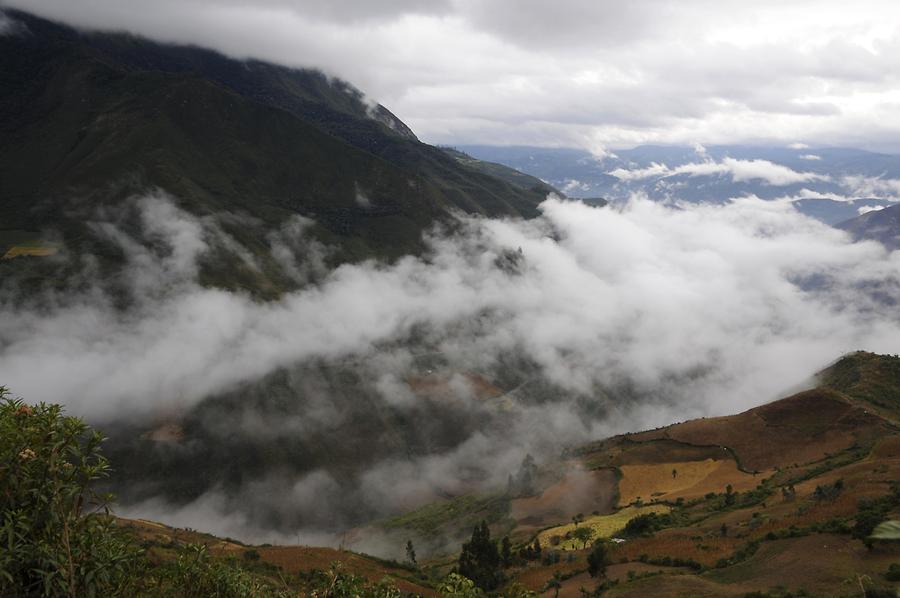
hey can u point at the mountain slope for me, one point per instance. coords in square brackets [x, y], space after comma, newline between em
[878, 225]
[778, 496]
[88, 119]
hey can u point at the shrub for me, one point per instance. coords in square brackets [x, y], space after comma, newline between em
[893, 572]
[58, 536]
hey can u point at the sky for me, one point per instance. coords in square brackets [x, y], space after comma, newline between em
[593, 74]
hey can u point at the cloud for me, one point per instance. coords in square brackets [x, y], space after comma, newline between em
[695, 310]
[574, 73]
[866, 209]
[810, 157]
[739, 170]
[864, 186]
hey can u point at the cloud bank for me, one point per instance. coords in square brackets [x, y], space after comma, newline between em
[739, 170]
[623, 319]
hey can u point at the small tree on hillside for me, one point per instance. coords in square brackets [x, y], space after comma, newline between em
[410, 552]
[598, 559]
[480, 560]
[506, 551]
[583, 535]
[730, 495]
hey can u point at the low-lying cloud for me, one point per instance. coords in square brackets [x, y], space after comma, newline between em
[631, 318]
[739, 171]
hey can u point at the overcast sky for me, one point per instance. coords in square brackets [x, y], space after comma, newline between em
[587, 73]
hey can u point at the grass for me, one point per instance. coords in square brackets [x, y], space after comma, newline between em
[603, 526]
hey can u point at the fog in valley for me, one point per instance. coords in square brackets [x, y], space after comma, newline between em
[386, 386]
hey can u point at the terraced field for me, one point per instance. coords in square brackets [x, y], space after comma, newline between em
[691, 479]
[603, 526]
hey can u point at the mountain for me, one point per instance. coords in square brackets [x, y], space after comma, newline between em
[878, 225]
[829, 184]
[89, 119]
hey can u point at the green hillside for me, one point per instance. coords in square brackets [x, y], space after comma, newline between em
[89, 119]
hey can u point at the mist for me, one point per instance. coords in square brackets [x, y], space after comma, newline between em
[505, 337]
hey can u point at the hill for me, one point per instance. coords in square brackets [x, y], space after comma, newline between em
[878, 225]
[88, 119]
[781, 496]
[676, 509]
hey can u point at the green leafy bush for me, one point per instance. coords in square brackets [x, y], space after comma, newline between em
[57, 535]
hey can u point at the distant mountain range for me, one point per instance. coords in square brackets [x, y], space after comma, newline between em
[87, 119]
[831, 184]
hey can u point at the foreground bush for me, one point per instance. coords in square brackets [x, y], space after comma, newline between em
[57, 537]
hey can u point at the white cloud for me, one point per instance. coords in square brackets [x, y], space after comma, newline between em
[714, 298]
[798, 146]
[866, 209]
[739, 170]
[810, 157]
[863, 186]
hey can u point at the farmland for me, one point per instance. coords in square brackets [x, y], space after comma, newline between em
[603, 526]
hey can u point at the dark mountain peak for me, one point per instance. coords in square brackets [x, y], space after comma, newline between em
[291, 89]
[89, 119]
[878, 225]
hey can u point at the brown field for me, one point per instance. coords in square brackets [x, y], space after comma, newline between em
[579, 491]
[694, 479]
[679, 543]
[293, 559]
[624, 451]
[571, 588]
[819, 563]
[535, 576]
[799, 429]
[887, 448]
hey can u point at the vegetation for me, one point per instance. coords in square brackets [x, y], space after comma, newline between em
[57, 535]
[480, 559]
[601, 526]
[598, 559]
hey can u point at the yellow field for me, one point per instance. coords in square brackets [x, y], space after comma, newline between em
[693, 479]
[22, 250]
[604, 526]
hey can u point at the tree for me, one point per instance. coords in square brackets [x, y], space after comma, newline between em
[583, 535]
[505, 551]
[576, 519]
[410, 552]
[522, 484]
[480, 560]
[57, 534]
[730, 495]
[674, 473]
[598, 559]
